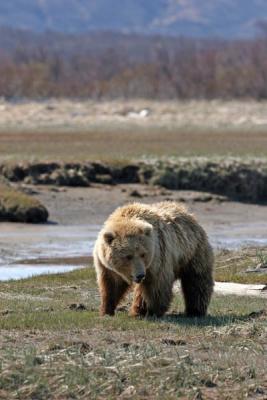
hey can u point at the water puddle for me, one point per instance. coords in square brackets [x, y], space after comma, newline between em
[236, 236]
[26, 271]
[23, 242]
[27, 250]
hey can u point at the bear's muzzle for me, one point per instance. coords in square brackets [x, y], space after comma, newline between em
[139, 278]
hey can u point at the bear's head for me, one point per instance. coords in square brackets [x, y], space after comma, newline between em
[127, 248]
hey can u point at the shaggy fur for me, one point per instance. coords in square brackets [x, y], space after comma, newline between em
[149, 247]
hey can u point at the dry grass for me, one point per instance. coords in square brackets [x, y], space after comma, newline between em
[50, 350]
[79, 131]
[231, 266]
[107, 145]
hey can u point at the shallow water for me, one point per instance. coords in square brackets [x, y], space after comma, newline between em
[19, 243]
[235, 236]
[22, 242]
[26, 271]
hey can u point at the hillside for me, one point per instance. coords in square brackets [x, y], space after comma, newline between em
[236, 18]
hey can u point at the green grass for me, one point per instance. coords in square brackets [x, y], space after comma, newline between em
[12, 199]
[20, 207]
[48, 350]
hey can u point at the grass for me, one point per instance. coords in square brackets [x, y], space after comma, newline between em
[231, 266]
[48, 349]
[19, 207]
[262, 257]
[126, 143]
[80, 131]
[12, 199]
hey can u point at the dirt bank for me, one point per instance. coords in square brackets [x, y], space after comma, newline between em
[235, 179]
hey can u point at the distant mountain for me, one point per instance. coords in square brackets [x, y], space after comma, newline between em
[204, 18]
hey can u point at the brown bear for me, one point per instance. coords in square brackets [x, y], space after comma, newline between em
[149, 247]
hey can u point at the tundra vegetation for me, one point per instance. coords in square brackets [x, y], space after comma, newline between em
[54, 345]
[16, 206]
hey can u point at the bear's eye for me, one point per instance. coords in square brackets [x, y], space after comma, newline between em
[129, 257]
[142, 255]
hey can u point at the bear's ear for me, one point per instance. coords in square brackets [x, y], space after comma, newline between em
[109, 237]
[148, 229]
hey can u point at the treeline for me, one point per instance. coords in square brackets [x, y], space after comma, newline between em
[106, 65]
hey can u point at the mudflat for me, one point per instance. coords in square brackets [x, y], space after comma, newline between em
[76, 215]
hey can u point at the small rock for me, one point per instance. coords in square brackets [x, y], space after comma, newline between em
[78, 307]
[125, 345]
[84, 347]
[50, 107]
[208, 383]
[6, 312]
[38, 361]
[135, 193]
[171, 342]
[55, 347]
[128, 393]
[259, 390]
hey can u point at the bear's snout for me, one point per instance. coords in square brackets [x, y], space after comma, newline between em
[139, 278]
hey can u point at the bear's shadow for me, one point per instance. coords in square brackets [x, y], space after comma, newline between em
[209, 320]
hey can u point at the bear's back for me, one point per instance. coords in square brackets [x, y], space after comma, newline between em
[166, 211]
[170, 210]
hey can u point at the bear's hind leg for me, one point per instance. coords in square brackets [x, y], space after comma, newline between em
[112, 290]
[197, 286]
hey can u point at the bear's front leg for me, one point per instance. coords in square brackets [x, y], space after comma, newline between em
[151, 299]
[139, 307]
[112, 289]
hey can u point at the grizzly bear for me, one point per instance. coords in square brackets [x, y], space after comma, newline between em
[149, 247]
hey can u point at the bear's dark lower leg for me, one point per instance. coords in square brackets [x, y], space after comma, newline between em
[139, 307]
[112, 290]
[158, 300]
[197, 290]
